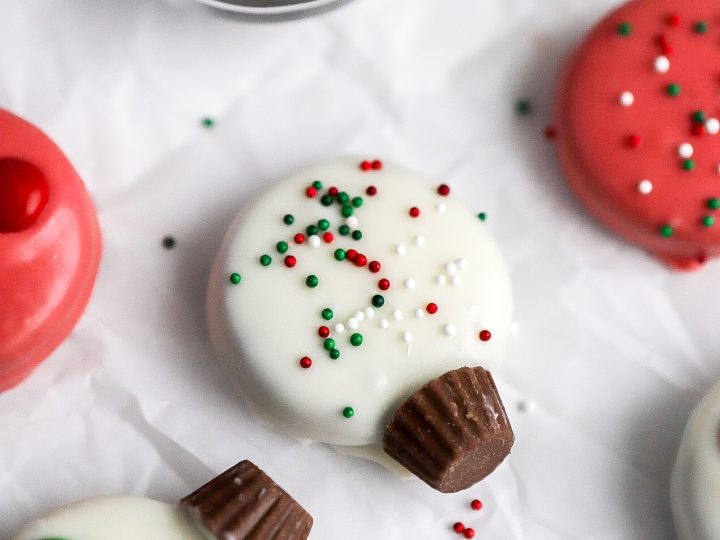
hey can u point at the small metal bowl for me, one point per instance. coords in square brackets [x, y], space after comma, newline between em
[274, 9]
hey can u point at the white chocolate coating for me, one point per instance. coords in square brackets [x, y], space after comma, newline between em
[261, 327]
[696, 477]
[113, 518]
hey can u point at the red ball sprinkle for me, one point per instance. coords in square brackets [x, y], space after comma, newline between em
[550, 133]
[443, 189]
[299, 238]
[458, 527]
[384, 284]
[661, 40]
[360, 260]
[698, 129]
[634, 140]
[333, 191]
[366, 166]
[374, 266]
[469, 533]
[328, 237]
[485, 335]
[431, 308]
[414, 212]
[666, 49]
[290, 261]
[350, 254]
[323, 331]
[311, 192]
[673, 20]
[371, 190]
[376, 165]
[476, 504]
[305, 362]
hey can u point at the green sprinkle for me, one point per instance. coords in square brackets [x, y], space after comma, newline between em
[168, 242]
[326, 200]
[317, 184]
[323, 224]
[348, 412]
[708, 221]
[334, 354]
[378, 300]
[347, 210]
[357, 235]
[357, 202]
[700, 27]
[666, 231]
[327, 314]
[312, 230]
[624, 29]
[281, 246]
[207, 122]
[265, 260]
[698, 117]
[344, 230]
[312, 281]
[329, 344]
[713, 203]
[288, 219]
[343, 197]
[523, 107]
[673, 89]
[235, 278]
[482, 216]
[688, 165]
[356, 340]
[340, 255]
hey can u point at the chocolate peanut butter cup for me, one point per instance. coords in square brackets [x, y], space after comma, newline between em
[244, 503]
[452, 432]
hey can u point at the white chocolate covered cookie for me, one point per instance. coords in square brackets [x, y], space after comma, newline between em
[345, 288]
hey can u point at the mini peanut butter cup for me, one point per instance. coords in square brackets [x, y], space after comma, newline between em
[452, 432]
[244, 503]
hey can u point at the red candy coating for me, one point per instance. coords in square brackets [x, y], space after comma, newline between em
[469, 533]
[431, 308]
[458, 527]
[305, 362]
[384, 284]
[374, 267]
[290, 261]
[476, 504]
[371, 191]
[323, 331]
[23, 194]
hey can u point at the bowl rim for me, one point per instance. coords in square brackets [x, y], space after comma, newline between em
[290, 6]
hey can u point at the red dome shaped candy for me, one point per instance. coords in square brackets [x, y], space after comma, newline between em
[638, 131]
[49, 248]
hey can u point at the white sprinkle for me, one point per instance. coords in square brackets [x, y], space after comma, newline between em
[352, 222]
[400, 249]
[419, 313]
[369, 313]
[353, 323]
[449, 330]
[420, 240]
[712, 126]
[384, 323]
[359, 315]
[451, 268]
[441, 208]
[662, 64]
[397, 315]
[627, 99]
[314, 241]
[407, 337]
[340, 328]
[644, 186]
[455, 281]
[462, 263]
[441, 280]
[409, 283]
[686, 150]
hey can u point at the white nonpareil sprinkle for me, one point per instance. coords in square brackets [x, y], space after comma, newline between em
[384, 323]
[441, 208]
[462, 263]
[353, 323]
[369, 313]
[359, 315]
[397, 314]
[712, 126]
[407, 337]
[314, 241]
[420, 240]
[340, 328]
[409, 283]
[662, 64]
[449, 330]
[455, 281]
[352, 222]
[400, 249]
[644, 186]
[686, 150]
[440, 279]
[451, 268]
[627, 99]
[419, 313]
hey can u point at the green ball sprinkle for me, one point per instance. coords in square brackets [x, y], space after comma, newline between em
[312, 281]
[698, 117]
[329, 344]
[334, 354]
[327, 314]
[326, 200]
[378, 300]
[357, 235]
[482, 216]
[666, 231]
[523, 107]
[673, 89]
[357, 202]
[624, 29]
[288, 219]
[323, 224]
[235, 278]
[343, 197]
[700, 27]
[207, 122]
[317, 184]
[344, 230]
[281, 246]
[708, 221]
[713, 203]
[346, 210]
[311, 230]
[356, 340]
[265, 260]
[348, 412]
[688, 165]
[340, 255]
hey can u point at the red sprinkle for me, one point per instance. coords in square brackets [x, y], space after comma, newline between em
[476, 504]
[431, 308]
[328, 237]
[365, 165]
[333, 191]
[667, 49]
[290, 261]
[305, 362]
[485, 335]
[360, 260]
[376, 165]
[414, 212]
[350, 254]
[323, 331]
[673, 20]
[443, 189]
[371, 190]
[698, 129]
[299, 238]
[550, 133]
[458, 527]
[469, 533]
[634, 140]
[384, 284]
[374, 267]
[311, 191]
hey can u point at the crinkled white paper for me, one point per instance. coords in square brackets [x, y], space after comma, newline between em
[612, 350]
